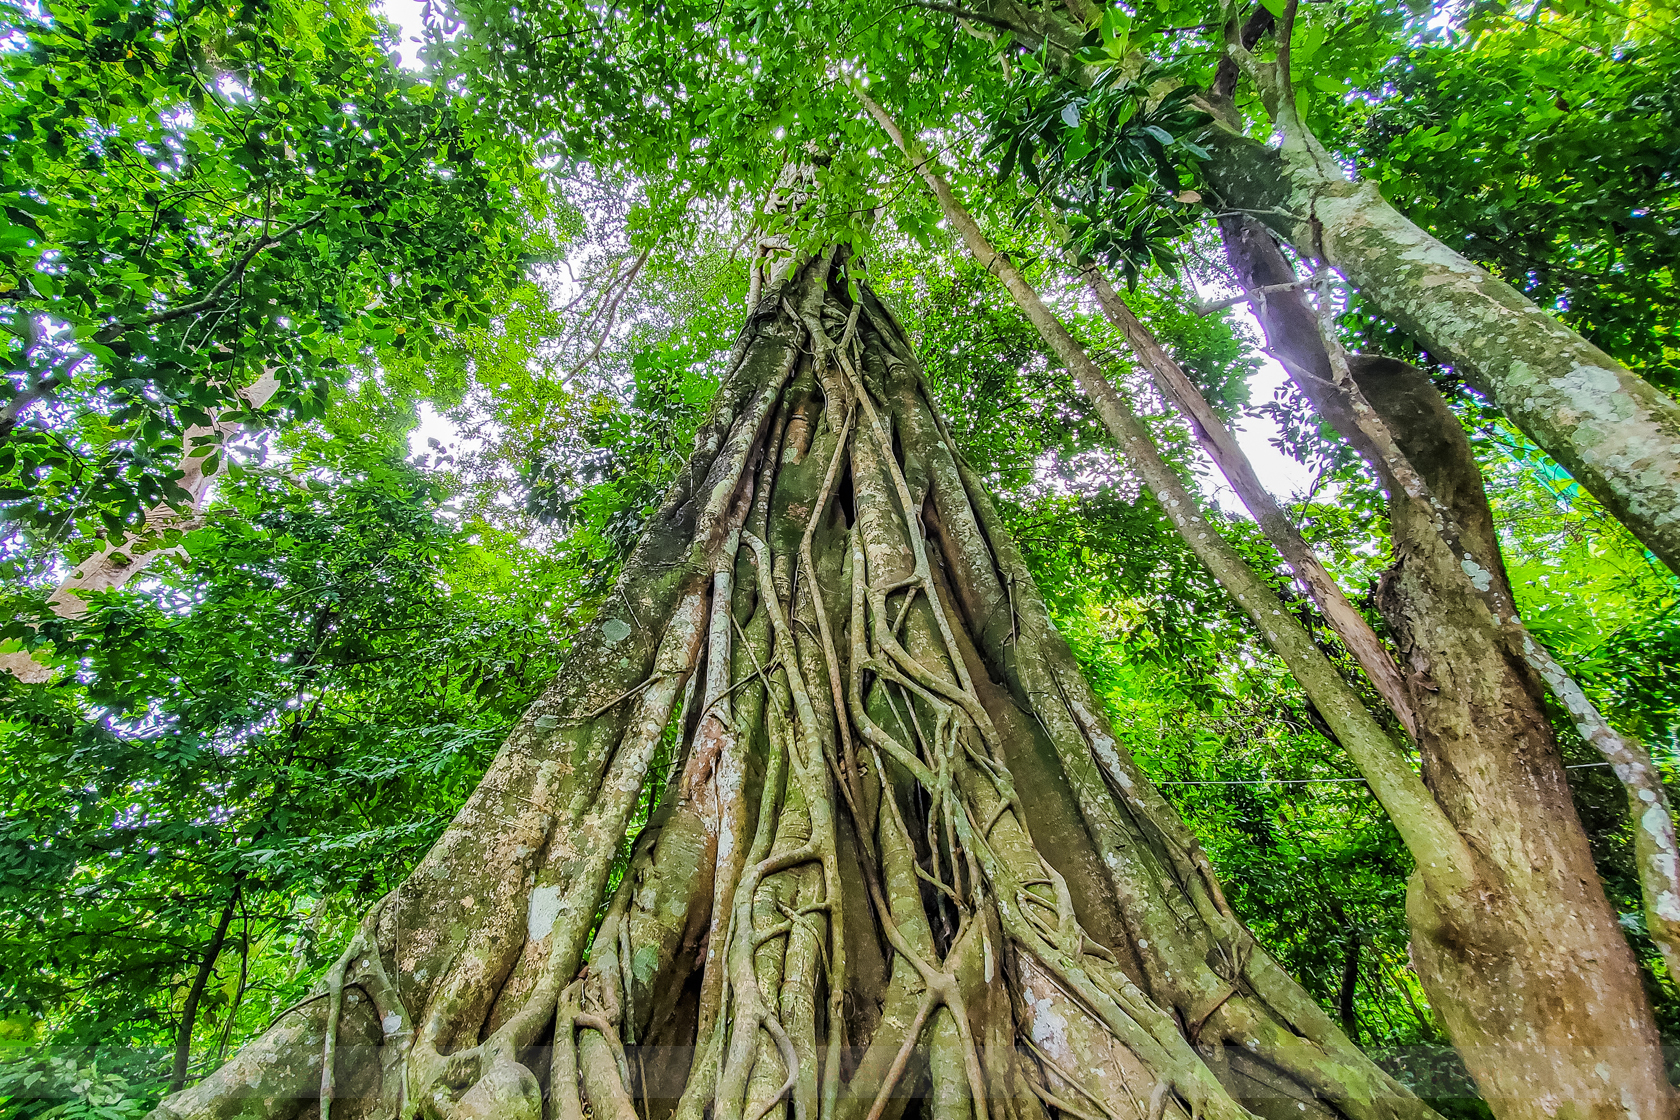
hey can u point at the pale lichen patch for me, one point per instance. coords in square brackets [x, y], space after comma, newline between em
[543, 912]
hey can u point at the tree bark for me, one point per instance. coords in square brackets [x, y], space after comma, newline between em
[1441, 855]
[1544, 988]
[1616, 433]
[900, 862]
[189, 1010]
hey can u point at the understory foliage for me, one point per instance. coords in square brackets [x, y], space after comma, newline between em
[275, 729]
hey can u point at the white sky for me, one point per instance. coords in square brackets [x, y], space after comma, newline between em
[1285, 477]
[406, 14]
[433, 425]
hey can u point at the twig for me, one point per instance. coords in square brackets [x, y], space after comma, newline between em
[116, 330]
[1210, 308]
[611, 313]
[962, 13]
[622, 697]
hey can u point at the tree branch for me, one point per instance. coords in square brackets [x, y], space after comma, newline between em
[963, 13]
[189, 1013]
[117, 330]
[611, 313]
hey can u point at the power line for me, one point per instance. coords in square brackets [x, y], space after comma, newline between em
[1321, 781]
[1265, 782]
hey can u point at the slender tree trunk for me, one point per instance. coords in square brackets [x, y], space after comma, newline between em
[1350, 969]
[1350, 981]
[901, 864]
[1618, 435]
[1469, 554]
[1536, 993]
[239, 992]
[1441, 855]
[189, 1010]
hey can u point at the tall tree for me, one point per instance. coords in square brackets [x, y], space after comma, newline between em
[894, 788]
[1446, 599]
[1614, 430]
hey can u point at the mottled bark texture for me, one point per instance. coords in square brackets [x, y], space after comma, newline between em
[1530, 970]
[901, 864]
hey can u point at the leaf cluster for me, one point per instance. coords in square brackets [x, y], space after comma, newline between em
[1113, 158]
[199, 194]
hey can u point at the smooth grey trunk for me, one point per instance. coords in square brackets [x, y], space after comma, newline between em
[1618, 435]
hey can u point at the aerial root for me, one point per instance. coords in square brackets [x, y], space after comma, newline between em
[924, 1009]
[1067, 1078]
[394, 1024]
[1158, 1099]
[335, 1008]
[1058, 1103]
[563, 1069]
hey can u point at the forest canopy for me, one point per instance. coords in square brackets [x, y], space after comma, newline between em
[840, 560]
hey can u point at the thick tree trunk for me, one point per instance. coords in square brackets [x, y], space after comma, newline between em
[1541, 994]
[900, 863]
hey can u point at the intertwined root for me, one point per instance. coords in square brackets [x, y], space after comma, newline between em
[844, 902]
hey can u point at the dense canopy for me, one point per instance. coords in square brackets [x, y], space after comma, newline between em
[1052, 559]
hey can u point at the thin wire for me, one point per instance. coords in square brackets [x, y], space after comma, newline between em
[1318, 781]
[1265, 782]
